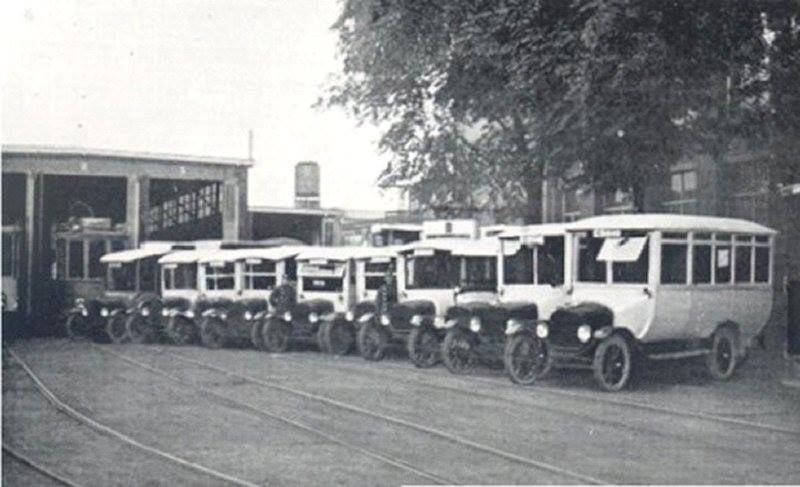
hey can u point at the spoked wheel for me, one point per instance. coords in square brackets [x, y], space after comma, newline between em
[275, 333]
[116, 330]
[457, 352]
[423, 347]
[181, 330]
[212, 333]
[372, 341]
[140, 329]
[721, 360]
[77, 326]
[526, 359]
[339, 337]
[257, 335]
[613, 363]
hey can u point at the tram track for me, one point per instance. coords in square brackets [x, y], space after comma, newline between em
[607, 400]
[344, 406]
[87, 421]
[38, 467]
[428, 476]
[591, 419]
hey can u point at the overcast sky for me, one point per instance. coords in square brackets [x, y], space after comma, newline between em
[189, 76]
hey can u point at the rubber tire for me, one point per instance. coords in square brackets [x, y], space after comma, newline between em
[134, 330]
[512, 347]
[76, 327]
[256, 335]
[339, 337]
[177, 337]
[276, 333]
[212, 334]
[373, 342]
[449, 345]
[116, 330]
[630, 365]
[413, 345]
[723, 337]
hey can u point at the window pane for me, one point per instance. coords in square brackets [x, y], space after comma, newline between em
[689, 181]
[8, 252]
[264, 266]
[76, 259]
[166, 276]
[377, 267]
[185, 276]
[673, 264]
[61, 259]
[96, 250]
[632, 272]
[262, 282]
[123, 278]
[148, 275]
[481, 272]
[438, 272]
[518, 268]
[589, 268]
[762, 264]
[701, 264]
[551, 261]
[722, 265]
[374, 282]
[323, 283]
[742, 271]
[676, 185]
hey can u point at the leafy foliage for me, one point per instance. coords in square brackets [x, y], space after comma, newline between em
[496, 94]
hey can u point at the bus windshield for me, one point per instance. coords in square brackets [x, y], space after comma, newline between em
[439, 271]
[122, 277]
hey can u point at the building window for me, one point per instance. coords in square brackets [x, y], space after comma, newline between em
[570, 203]
[682, 193]
[617, 201]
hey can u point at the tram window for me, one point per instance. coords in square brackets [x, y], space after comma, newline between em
[75, 259]
[722, 264]
[762, 264]
[61, 259]
[701, 264]
[123, 278]
[589, 268]
[673, 263]
[518, 268]
[550, 261]
[166, 278]
[96, 250]
[743, 259]
[632, 272]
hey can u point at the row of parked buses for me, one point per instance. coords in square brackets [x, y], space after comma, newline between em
[605, 293]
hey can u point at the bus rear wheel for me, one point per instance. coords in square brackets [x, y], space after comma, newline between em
[212, 332]
[140, 329]
[721, 360]
[458, 353]
[339, 337]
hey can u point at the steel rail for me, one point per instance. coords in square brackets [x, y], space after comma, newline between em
[586, 479]
[24, 459]
[621, 402]
[296, 424]
[86, 420]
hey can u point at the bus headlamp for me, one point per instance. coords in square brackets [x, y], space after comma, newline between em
[145, 311]
[584, 333]
[416, 320]
[542, 330]
[287, 316]
[313, 317]
[190, 314]
[248, 315]
[104, 312]
[475, 324]
[85, 312]
[165, 312]
[349, 316]
[385, 321]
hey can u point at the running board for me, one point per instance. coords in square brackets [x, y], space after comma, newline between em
[678, 355]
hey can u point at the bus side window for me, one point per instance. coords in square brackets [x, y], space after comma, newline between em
[75, 249]
[673, 263]
[701, 263]
[762, 264]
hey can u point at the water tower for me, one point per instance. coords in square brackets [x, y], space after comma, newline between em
[306, 185]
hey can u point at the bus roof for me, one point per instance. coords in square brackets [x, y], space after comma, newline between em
[125, 256]
[669, 222]
[485, 247]
[541, 230]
